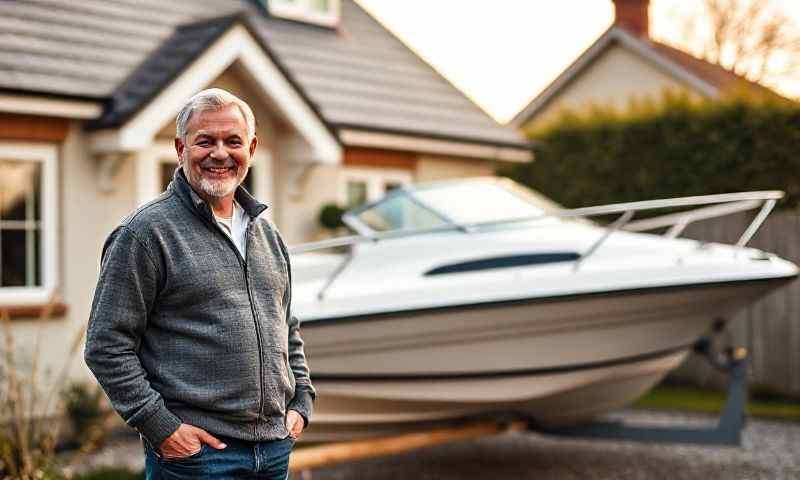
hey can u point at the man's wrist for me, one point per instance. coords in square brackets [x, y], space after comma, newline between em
[302, 403]
[158, 426]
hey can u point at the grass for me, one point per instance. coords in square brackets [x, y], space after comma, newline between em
[709, 401]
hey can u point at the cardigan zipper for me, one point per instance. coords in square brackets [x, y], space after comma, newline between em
[243, 264]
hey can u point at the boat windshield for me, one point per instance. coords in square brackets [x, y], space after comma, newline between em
[452, 203]
[399, 212]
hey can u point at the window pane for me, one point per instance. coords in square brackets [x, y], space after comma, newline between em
[36, 193]
[37, 258]
[322, 6]
[356, 193]
[20, 190]
[167, 171]
[248, 181]
[12, 244]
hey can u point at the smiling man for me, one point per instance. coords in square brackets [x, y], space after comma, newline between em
[191, 332]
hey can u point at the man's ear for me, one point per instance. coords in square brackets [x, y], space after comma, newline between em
[179, 146]
[253, 145]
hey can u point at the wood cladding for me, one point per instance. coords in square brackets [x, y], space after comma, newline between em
[32, 128]
[374, 157]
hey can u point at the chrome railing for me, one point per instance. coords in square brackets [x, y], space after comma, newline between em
[713, 206]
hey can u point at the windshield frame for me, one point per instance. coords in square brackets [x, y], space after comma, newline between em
[352, 220]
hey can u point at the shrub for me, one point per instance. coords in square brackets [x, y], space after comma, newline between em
[330, 217]
[85, 408]
[677, 148]
[30, 419]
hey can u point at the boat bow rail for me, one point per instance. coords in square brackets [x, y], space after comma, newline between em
[711, 206]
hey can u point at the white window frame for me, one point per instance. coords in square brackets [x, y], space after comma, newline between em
[47, 155]
[303, 12]
[375, 178]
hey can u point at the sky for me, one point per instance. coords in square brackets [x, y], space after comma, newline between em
[502, 53]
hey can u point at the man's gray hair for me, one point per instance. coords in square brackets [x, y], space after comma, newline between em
[213, 99]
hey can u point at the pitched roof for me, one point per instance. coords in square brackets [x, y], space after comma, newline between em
[712, 73]
[119, 51]
[705, 77]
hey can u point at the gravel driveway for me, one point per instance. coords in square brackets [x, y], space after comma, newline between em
[771, 450]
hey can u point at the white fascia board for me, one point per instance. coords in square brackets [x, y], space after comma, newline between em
[115, 140]
[359, 138]
[648, 53]
[51, 107]
[626, 40]
[236, 44]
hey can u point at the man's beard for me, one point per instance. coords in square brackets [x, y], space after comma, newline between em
[215, 188]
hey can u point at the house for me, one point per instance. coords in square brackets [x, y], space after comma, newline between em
[88, 96]
[625, 64]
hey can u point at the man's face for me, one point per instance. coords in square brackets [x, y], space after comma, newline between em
[216, 154]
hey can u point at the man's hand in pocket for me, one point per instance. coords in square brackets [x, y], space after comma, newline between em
[186, 441]
[294, 423]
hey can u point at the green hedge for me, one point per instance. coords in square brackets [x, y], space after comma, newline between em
[675, 148]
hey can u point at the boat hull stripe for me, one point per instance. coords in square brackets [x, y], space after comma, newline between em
[438, 376]
[366, 317]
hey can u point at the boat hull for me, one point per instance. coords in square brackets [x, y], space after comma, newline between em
[557, 360]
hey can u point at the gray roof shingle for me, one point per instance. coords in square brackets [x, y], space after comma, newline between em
[124, 51]
[164, 64]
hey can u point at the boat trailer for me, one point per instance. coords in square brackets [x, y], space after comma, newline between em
[728, 431]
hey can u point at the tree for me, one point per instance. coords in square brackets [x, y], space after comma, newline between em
[751, 38]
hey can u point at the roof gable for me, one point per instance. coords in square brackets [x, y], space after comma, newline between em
[705, 78]
[189, 61]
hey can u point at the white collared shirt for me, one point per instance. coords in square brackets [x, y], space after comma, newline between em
[236, 227]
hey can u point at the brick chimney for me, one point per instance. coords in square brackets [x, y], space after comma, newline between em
[632, 16]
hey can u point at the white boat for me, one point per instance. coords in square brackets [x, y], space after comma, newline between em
[478, 297]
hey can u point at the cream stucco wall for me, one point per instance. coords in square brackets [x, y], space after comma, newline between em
[318, 186]
[615, 78]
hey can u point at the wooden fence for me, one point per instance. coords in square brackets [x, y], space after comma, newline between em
[770, 328]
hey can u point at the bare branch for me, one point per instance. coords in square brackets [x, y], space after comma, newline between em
[751, 38]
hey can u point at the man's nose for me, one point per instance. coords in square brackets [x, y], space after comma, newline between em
[219, 151]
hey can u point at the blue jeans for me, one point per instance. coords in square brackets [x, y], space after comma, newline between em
[240, 459]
